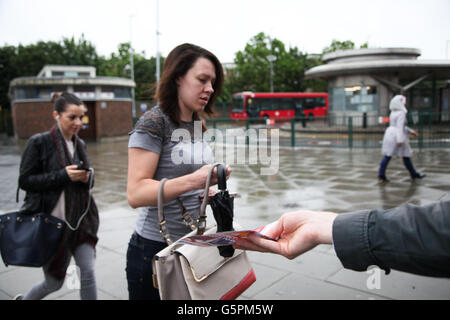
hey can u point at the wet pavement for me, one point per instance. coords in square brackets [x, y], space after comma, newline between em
[336, 180]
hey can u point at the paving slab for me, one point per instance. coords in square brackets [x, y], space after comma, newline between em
[300, 287]
[395, 285]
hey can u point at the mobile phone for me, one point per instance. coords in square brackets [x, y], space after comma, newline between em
[80, 166]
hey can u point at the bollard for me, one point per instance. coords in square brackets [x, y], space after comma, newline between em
[365, 120]
[420, 132]
[247, 126]
[293, 132]
[350, 132]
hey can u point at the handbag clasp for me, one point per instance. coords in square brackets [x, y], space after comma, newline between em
[164, 232]
[201, 224]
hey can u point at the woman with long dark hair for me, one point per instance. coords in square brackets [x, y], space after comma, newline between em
[191, 80]
[53, 172]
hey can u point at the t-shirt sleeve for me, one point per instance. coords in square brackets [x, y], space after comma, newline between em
[148, 133]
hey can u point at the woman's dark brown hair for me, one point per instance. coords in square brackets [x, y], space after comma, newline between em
[176, 65]
[60, 101]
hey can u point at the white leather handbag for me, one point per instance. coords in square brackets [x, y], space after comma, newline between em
[187, 272]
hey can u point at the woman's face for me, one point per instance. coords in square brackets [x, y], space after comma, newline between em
[70, 120]
[196, 87]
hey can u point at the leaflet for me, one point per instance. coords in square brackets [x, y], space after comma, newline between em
[223, 238]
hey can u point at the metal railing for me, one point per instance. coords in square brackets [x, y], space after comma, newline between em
[340, 131]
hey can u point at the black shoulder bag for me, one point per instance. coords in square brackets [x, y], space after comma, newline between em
[31, 240]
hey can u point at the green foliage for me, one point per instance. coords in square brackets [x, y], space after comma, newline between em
[252, 72]
[339, 45]
[343, 45]
[22, 61]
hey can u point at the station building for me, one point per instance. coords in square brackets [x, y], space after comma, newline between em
[108, 101]
[363, 81]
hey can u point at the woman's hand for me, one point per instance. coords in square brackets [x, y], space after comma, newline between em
[76, 175]
[211, 193]
[199, 177]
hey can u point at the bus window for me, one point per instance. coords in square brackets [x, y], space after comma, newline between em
[266, 104]
[320, 102]
[285, 104]
[238, 104]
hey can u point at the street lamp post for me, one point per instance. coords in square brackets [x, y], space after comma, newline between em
[271, 59]
[157, 43]
[133, 102]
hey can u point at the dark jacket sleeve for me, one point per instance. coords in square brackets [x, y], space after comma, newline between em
[33, 176]
[407, 238]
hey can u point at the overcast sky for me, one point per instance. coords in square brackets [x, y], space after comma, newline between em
[224, 27]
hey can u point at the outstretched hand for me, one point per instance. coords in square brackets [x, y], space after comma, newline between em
[297, 232]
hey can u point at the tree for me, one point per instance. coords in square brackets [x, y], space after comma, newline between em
[118, 65]
[339, 45]
[252, 70]
[342, 45]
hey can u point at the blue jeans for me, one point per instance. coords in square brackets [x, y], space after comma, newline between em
[139, 267]
[406, 161]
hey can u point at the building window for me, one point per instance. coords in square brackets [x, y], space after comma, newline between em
[111, 92]
[420, 98]
[26, 93]
[70, 74]
[44, 92]
[85, 92]
[354, 99]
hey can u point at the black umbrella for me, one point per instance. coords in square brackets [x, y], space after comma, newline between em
[222, 206]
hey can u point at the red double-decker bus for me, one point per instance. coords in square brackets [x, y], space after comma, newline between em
[279, 105]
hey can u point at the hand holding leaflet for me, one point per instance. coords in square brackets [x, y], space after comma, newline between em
[224, 238]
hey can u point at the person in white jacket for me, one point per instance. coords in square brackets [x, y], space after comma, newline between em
[395, 140]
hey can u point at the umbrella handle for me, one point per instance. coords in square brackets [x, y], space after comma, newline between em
[202, 217]
[221, 177]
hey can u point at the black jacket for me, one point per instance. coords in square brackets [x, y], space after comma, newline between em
[40, 174]
[406, 238]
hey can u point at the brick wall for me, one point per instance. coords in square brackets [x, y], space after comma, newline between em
[32, 117]
[113, 120]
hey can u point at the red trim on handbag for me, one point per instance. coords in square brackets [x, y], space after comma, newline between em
[246, 282]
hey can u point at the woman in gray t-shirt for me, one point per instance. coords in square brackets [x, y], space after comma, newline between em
[191, 80]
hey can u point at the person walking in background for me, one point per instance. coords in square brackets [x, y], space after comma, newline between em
[409, 238]
[53, 183]
[395, 140]
[191, 80]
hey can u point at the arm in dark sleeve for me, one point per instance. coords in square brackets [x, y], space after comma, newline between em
[406, 238]
[32, 177]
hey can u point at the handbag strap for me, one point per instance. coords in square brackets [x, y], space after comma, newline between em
[201, 222]
[91, 182]
[162, 220]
